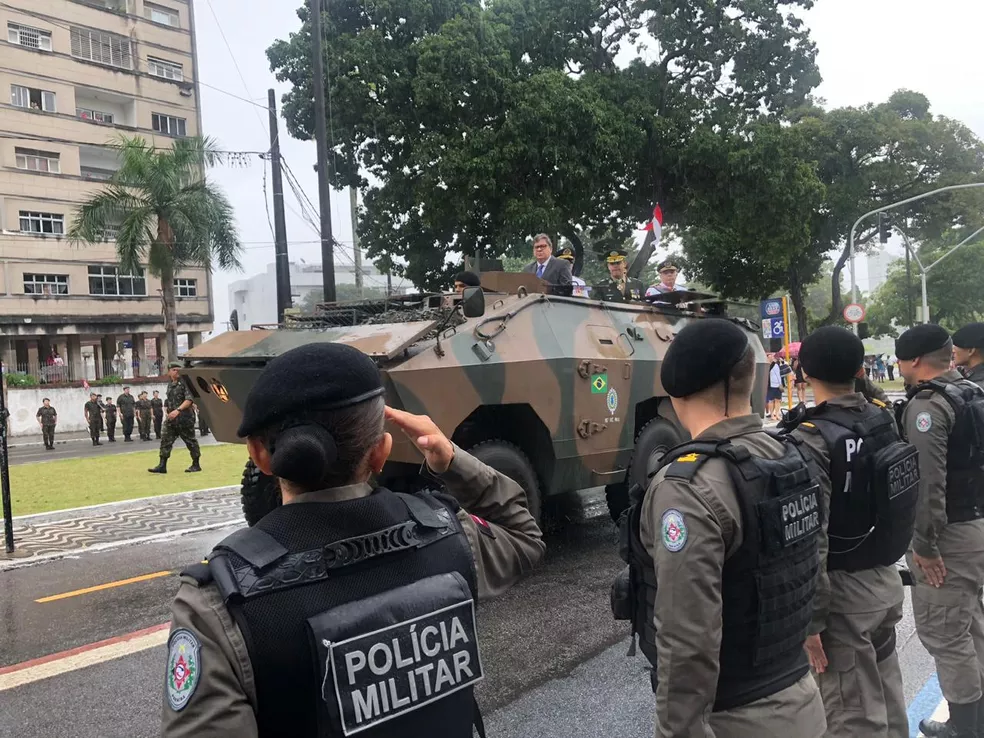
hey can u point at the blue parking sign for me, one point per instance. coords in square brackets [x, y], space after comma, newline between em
[773, 328]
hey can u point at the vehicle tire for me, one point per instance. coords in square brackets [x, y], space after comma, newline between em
[656, 438]
[510, 460]
[260, 494]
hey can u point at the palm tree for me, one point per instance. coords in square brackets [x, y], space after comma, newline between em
[166, 214]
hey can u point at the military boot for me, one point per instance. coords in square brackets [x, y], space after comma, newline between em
[161, 468]
[194, 465]
[962, 723]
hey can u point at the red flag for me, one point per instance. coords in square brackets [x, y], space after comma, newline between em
[656, 224]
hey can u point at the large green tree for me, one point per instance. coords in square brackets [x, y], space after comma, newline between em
[472, 125]
[167, 215]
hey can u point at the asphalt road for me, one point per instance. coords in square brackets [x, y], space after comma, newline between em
[554, 658]
[24, 453]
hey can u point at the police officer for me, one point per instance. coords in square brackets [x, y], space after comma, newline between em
[869, 525]
[157, 405]
[93, 418]
[942, 419]
[346, 608]
[110, 411]
[126, 404]
[728, 571]
[968, 352]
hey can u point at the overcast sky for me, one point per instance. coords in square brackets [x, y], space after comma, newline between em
[867, 50]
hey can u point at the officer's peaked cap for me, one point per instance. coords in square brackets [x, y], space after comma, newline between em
[970, 336]
[175, 365]
[832, 354]
[318, 376]
[920, 340]
[701, 355]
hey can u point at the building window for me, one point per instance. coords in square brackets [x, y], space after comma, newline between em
[95, 115]
[33, 38]
[37, 161]
[168, 125]
[186, 287]
[117, 6]
[160, 14]
[102, 48]
[53, 223]
[107, 280]
[29, 97]
[45, 284]
[165, 69]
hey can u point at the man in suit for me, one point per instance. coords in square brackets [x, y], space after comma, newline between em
[555, 272]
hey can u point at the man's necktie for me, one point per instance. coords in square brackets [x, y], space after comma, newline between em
[539, 271]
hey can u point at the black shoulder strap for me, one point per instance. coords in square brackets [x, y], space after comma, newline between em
[683, 461]
[200, 572]
[256, 546]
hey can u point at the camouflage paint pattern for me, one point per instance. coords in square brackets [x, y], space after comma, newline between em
[531, 350]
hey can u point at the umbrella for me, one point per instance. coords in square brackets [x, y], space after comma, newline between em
[794, 349]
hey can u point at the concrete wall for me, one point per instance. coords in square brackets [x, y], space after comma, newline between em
[24, 403]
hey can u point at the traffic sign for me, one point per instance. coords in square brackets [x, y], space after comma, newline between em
[772, 308]
[773, 328]
[854, 313]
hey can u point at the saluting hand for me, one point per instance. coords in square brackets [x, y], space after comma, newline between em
[815, 653]
[438, 451]
[934, 569]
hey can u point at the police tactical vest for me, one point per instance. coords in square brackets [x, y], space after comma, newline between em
[359, 617]
[965, 449]
[767, 585]
[874, 485]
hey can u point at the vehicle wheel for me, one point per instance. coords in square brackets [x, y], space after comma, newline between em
[260, 494]
[656, 438]
[508, 459]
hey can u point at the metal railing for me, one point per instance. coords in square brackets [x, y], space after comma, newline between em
[33, 374]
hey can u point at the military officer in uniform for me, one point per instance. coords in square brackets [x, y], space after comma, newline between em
[868, 528]
[621, 286]
[93, 418]
[126, 405]
[47, 418]
[580, 288]
[157, 406]
[968, 352]
[180, 423]
[144, 413]
[668, 271]
[730, 569]
[110, 411]
[942, 419]
[378, 631]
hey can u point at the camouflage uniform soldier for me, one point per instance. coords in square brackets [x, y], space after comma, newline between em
[47, 418]
[110, 411]
[93, 418]
[144, 413]
[180, 423]
[125, 403]
[157, 405]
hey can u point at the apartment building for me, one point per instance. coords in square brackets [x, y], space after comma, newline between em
[80, 73]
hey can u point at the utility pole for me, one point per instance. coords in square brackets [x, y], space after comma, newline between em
[8, 518]
[321, 136]
[356, 251]
[279, 220]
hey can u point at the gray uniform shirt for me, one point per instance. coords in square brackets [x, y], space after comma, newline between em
[976, 375]
[224, 700]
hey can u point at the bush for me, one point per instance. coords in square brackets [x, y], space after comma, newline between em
[113, 379]
[18, 379]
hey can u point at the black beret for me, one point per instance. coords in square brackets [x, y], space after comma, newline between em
[920, 340]
[701, 355]
[970, 336]
[318, 376]
[469, 279]
[832, 354]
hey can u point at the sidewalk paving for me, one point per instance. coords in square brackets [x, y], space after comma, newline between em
[55, 535]
[60, 438]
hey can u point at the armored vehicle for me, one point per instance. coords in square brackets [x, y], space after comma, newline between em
[559, 393]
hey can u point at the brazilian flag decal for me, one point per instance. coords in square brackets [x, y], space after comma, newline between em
[599, 384]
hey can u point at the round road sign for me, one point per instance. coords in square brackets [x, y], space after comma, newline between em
[854, 313]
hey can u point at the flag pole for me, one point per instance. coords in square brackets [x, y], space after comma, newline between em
[785, 341]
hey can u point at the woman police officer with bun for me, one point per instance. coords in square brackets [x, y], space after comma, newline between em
[347, 609]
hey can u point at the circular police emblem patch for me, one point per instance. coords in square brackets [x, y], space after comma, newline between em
[924, 421]
[674, 530]
[183, 668]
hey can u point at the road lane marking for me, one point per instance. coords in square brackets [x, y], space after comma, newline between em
[108, 585]
[73, 659]
[928, 703]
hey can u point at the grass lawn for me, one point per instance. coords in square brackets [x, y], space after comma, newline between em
[57, 485]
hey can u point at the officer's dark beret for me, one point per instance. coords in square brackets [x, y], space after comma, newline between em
[832, 354]
[970, 336]
[701, 355]
[318, 376]
[469, 279]
[920, 340]
[668, 264]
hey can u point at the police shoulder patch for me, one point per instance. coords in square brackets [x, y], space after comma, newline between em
[924, 421]
[674, 530]
[184, 663]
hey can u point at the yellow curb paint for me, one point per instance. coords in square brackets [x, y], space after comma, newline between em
[108, 585]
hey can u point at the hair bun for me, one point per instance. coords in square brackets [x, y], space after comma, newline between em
[304, 454]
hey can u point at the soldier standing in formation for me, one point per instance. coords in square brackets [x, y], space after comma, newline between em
[93, 418]
[356, 644]
[968, 352]
[725, 575]
[144, 413]
[110, 412]
[868, 528]
[157, 405]
[943, 420]
[180, 423]
[126, 403]
[47, 418]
